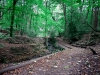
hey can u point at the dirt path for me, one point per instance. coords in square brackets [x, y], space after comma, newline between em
[72, 61]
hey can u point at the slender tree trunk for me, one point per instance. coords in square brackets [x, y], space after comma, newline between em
[95, 19]
[1, 10]
[95, 12]
[65, 18]
[99, 11]
[12, 17]
[46, 36]
[30, 22]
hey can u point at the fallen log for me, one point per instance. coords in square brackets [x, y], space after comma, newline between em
[2, 71]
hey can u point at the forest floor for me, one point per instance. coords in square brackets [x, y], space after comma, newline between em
[71, 61]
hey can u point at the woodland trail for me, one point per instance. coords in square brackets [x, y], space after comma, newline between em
[71, 61]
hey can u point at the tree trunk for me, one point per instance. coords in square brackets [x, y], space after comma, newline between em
[12, 17]
[1, 10]
[65, 18]
[95, 19]
[95, 16]
[30, 22]
[46, 36]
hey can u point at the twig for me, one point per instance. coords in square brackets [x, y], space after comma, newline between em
[94, 52]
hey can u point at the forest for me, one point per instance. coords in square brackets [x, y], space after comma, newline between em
[49, 37]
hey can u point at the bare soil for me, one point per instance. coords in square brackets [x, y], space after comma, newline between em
[71, 61]
[20, 48]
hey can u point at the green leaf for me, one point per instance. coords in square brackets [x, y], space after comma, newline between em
[78, 1]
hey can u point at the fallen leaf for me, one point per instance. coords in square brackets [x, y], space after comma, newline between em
[79, 61]
[34, 60]
[55, 66]
[30, 72]
[66, 67]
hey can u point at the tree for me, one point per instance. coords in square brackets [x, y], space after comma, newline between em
[43, 17]
[12, 17]
[95, 15]
[65, 17]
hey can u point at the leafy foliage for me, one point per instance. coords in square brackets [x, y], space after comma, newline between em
[72, 31]
[45, 18]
